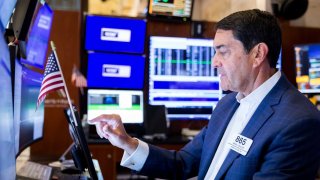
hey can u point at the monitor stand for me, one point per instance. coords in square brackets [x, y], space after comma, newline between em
[63, 156]
[68, 170]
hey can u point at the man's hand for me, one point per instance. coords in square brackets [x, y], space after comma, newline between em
[111, 127]
[78, 79]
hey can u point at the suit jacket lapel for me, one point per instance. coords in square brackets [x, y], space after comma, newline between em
[260, 116]
[250, 131]
[215, 133]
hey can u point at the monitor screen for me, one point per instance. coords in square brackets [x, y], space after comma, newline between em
[308, 67]
[127, 103]
[114, 34]
[121, 71]
[7, 137]
[181, 77]
[6, 9]
[38, 38]
[171, 9]
[279, 62]
[29, 122]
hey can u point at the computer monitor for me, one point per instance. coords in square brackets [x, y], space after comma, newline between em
[80, 150]
[182, 78]
[122, 71]
[307, 57]
[115, 34]
[7, 137]
[29, 122]
[180, 10]
[6, 9]
[22, 18]
[279, 62]
[38, 38]
[127, 103]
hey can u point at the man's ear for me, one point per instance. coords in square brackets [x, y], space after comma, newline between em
[260, 52]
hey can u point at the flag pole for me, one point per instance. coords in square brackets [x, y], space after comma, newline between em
[53, 47]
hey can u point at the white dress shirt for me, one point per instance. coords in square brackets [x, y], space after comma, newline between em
[239, 120]
[248, 106]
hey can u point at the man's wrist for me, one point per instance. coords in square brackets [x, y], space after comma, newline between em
[136, 160]
[131, 145]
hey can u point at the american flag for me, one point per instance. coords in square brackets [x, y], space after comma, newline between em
[52, 79]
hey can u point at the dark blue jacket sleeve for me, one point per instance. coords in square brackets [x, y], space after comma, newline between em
[182, 164]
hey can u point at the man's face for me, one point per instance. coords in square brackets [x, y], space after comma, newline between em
[233, 63]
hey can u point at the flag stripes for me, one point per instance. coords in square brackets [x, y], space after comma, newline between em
[52, 80]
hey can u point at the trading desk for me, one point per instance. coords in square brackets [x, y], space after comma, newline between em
[109, 156]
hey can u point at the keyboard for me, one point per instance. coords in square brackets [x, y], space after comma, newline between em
[32, 170]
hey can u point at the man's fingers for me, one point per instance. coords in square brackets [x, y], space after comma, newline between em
[96, 120]
[104, 118]
[107, 129]
[99, 130]
[90, 121]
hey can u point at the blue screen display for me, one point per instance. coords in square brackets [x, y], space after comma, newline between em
[7, 141]
[314, 51]
[119, 71]
[38, 38]
[6, 8]
[115, 34]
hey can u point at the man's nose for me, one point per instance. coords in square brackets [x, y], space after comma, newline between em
[215, 61]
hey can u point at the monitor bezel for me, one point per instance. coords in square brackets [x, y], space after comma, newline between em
[80, 143]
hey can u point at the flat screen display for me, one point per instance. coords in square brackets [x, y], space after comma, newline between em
[127, 103]
[114, 34]
[182, 78]
[6, 105]
[115, 71]
[29, 121]
[171, 9]
[7, 136]
[307, 59]
[6, 9]
[38, 38]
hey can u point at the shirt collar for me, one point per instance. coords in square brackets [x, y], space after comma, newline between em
[258, 94]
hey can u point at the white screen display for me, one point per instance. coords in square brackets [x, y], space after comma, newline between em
[127, 103]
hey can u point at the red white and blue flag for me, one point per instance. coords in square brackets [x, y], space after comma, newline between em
[52, 79]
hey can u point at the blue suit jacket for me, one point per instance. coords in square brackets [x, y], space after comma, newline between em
[285, 130]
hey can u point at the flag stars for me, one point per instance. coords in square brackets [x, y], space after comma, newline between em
[52, 65]
[52, 80]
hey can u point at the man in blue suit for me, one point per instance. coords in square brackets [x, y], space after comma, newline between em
[265, 129]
